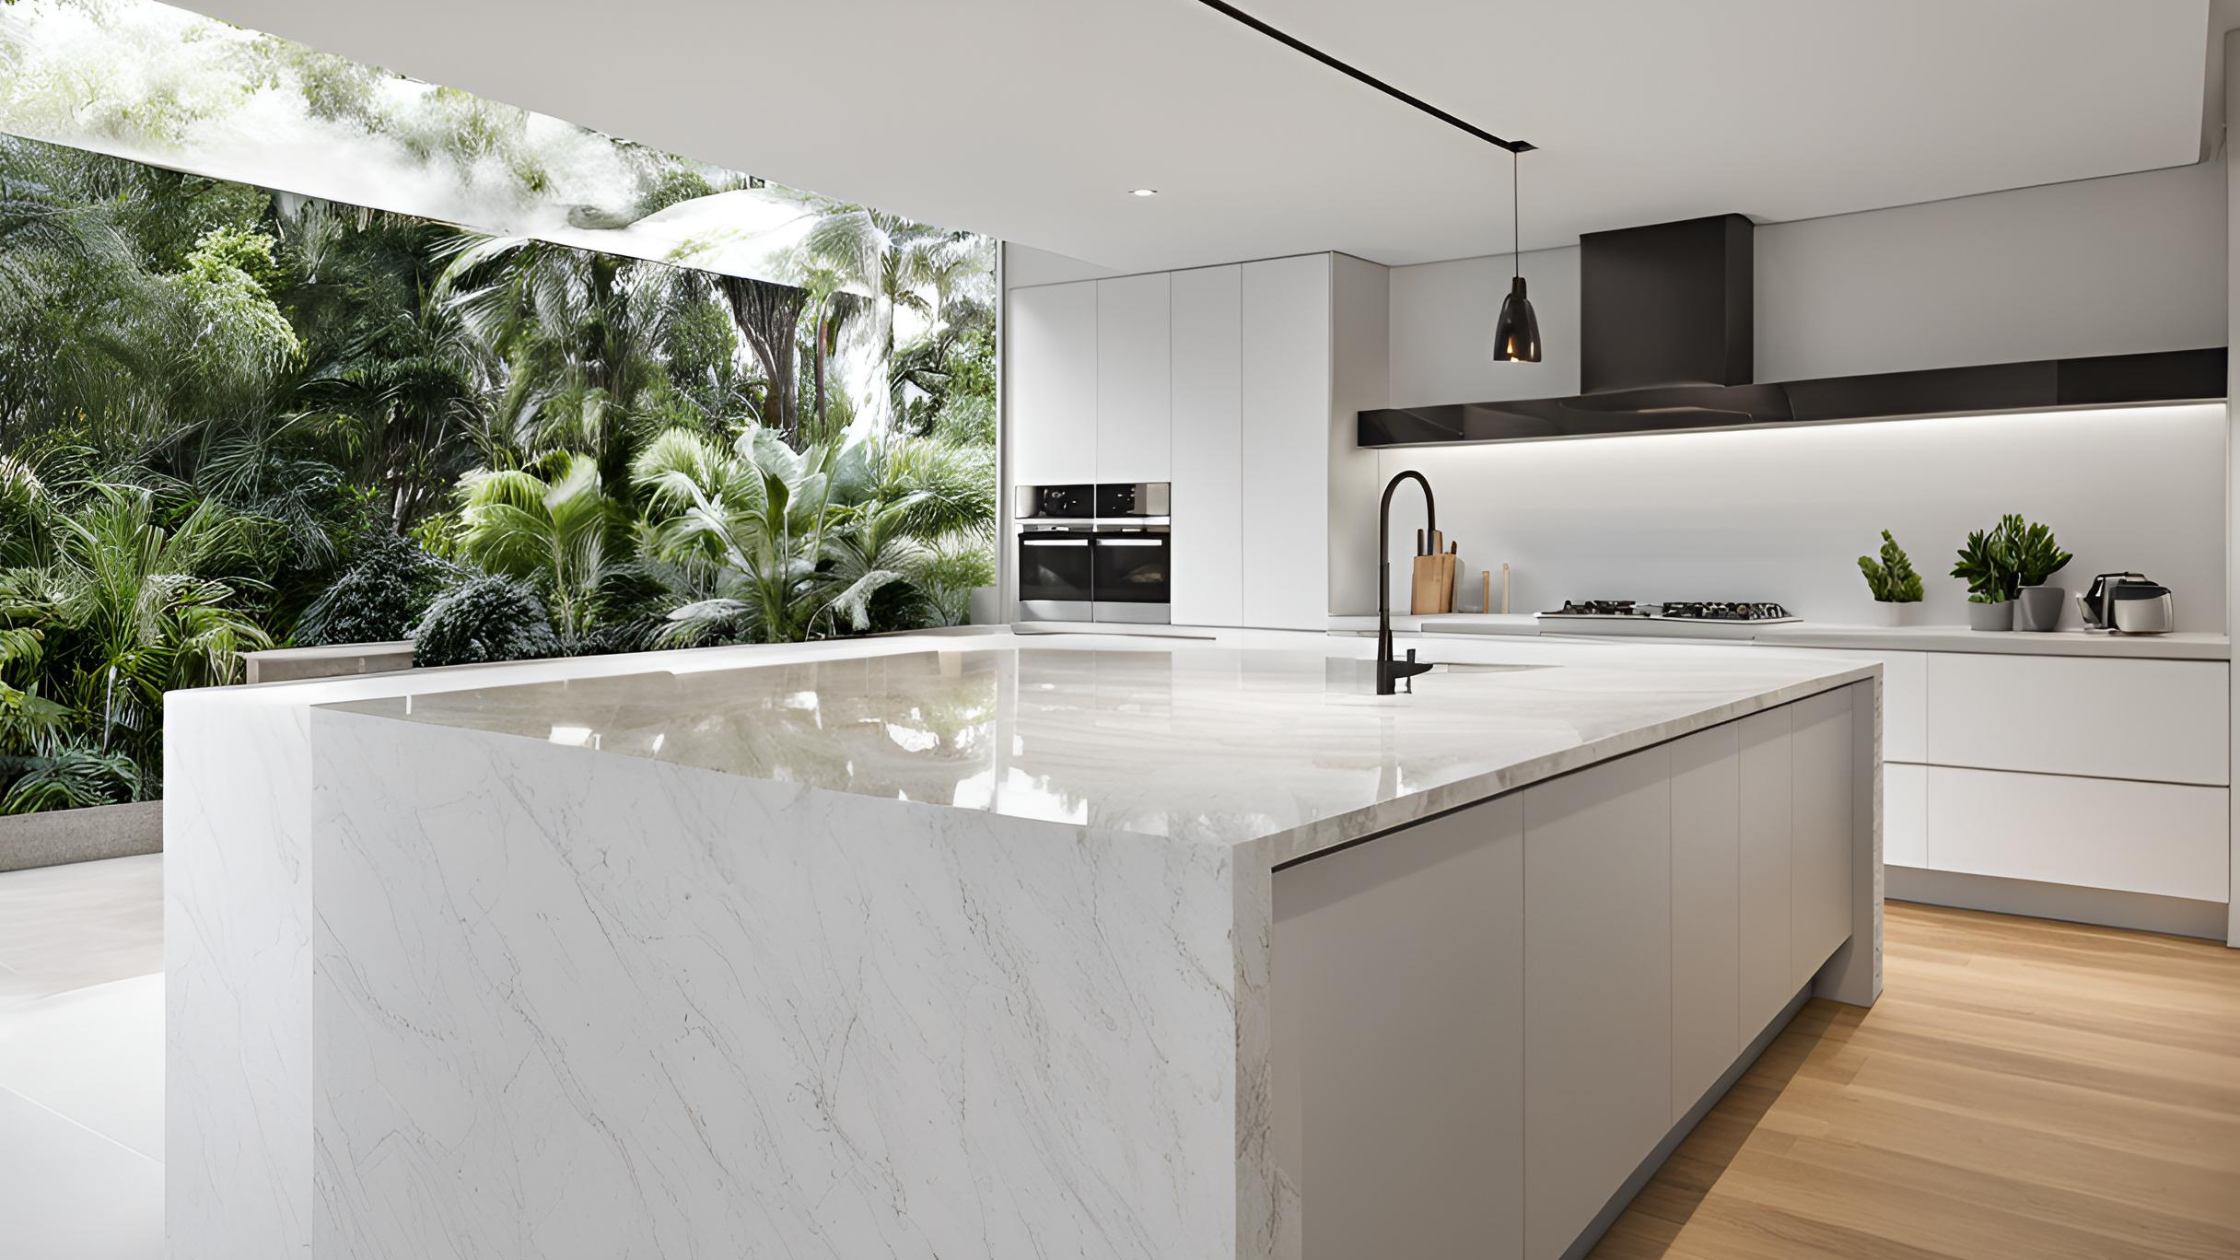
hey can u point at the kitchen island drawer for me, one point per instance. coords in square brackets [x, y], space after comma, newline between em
[2164, 838]
[2165, 721]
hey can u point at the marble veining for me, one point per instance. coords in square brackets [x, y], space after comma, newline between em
[922, 946]
[573, 1005]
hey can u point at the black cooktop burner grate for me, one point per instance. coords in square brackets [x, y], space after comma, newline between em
[1716, 610]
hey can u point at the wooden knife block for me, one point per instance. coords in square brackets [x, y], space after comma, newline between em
[1432, 590]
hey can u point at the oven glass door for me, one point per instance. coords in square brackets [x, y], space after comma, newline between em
[1133, 571]
[1056, 575]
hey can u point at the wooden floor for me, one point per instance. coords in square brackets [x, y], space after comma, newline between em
[2024, 1089]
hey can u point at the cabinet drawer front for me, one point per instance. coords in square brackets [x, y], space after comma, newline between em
[2162, 838]
[1905, 815]
[2158, 720]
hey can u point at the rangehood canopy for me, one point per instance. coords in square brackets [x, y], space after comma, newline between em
[1666, 329]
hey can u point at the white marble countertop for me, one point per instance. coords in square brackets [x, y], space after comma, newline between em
[2184, 646]
[1249, 735]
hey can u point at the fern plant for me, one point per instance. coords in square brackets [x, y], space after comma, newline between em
[1891, 580]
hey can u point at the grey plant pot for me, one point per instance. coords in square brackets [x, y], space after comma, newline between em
[2039, 609]
[1999, 616]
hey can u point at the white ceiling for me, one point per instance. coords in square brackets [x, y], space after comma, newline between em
[1032, 119]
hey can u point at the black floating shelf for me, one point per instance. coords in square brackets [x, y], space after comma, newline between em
[2170, 376]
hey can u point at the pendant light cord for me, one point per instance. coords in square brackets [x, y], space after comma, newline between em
[1516, 221]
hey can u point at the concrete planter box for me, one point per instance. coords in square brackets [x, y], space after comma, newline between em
[80, 835]
[296, 664]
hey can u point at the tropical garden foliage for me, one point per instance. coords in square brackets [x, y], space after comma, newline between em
[232, 418]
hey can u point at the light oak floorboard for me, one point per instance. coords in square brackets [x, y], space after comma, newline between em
[2023, 1089]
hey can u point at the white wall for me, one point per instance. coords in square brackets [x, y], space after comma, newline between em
[2127, 264]
[2106, 266]
[1782, 514]
[2100, 266]
[1442, 329]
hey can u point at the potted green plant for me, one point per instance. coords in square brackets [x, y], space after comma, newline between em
[1892, 581]
[1986, 564]
[2036, 557]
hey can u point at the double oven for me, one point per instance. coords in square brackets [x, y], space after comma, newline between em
[1094, 553]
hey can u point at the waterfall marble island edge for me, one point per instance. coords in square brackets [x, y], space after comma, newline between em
[968, 945]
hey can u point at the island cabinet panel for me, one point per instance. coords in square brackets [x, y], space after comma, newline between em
[1706, 911]
[1398, 1004]
[1820, 831]
[1134, 371]
[1598, 988]
[1208, 564]
[1766, 980]
[1051, 360]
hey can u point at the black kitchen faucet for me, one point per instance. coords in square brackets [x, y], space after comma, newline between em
[1389, 670]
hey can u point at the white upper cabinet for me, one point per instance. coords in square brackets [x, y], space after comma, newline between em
[1208, 564]
[1284, 489]
[1134, 389]
[1051, 362]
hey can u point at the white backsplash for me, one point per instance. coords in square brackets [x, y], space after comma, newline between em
[1782, 514]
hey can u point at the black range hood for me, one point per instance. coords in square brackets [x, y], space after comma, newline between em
[1666, 328]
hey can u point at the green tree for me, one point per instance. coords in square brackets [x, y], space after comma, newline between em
[561, 531]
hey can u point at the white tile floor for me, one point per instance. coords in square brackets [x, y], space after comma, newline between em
[81, 1061]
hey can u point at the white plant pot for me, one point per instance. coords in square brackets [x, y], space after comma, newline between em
[1893, 615]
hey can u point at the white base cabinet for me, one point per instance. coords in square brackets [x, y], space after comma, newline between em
[2166, 839]
[1766, 900]
[1905, 815]
[1706, 911]
[1820, 832]
[1413, 1146]
[1485, 1023]
[1597, 988]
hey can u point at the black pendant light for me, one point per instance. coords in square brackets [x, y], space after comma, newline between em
[1516, 335]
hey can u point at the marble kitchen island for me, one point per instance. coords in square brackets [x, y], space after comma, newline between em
[994, 945]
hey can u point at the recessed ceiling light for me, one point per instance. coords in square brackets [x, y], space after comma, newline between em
[1143, 192]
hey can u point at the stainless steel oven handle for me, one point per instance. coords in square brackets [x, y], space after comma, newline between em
[1053, 542]
[1131, 542]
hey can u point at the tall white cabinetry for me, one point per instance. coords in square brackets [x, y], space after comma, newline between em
[1284, 491]
[1134, 389]
[1219, 381]
[1051, 363]
[1207, 333]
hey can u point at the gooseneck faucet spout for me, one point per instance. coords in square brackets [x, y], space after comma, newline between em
[1389, 670]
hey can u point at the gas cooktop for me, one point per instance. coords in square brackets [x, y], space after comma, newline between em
[1734, 612]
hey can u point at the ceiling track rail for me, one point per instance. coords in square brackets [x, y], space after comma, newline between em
[1362, 76]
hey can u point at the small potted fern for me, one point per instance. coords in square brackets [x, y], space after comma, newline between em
[1893, 583]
